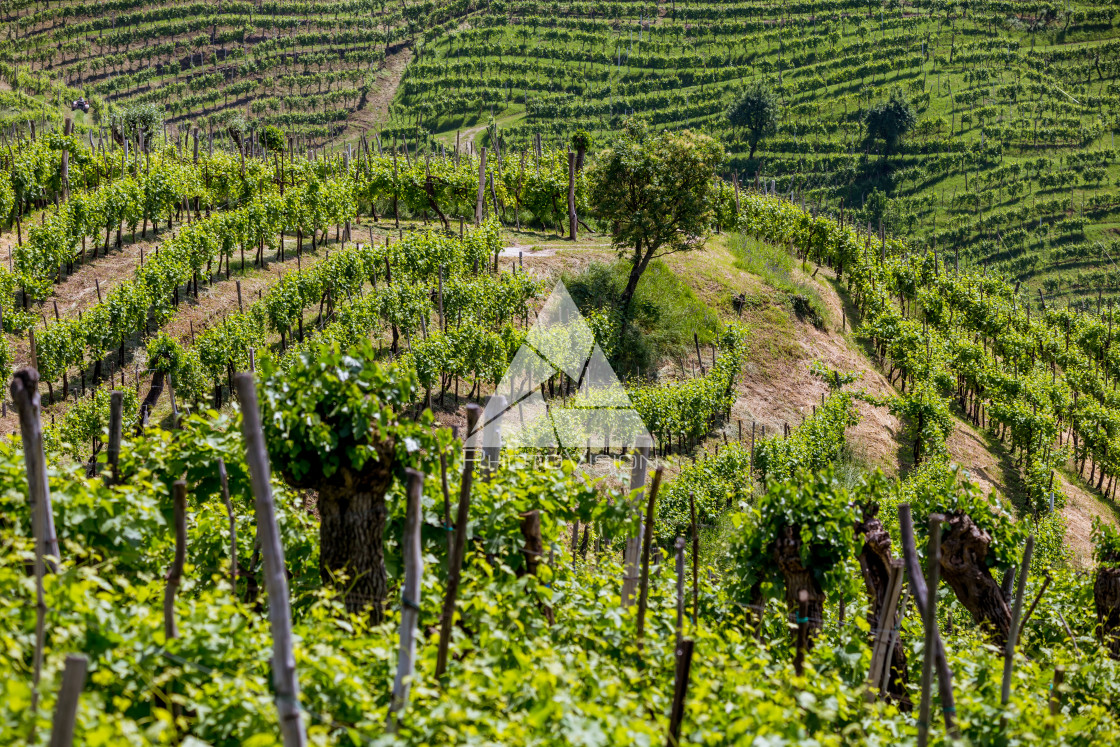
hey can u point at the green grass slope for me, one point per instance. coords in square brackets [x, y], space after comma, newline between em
[1011, 164]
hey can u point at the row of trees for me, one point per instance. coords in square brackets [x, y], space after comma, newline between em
[756, 110]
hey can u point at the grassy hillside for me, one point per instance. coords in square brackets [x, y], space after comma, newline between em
[305, 67]
[1011, 163]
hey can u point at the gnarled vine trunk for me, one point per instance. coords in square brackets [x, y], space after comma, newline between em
[154, 391]
[964, 550]
[787, 555]
[875, 563]
[352, 515]
[1106, 596]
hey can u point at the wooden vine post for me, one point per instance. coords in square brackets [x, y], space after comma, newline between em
[679, 547]
[695, 558]
[480, 205]
[458, 549]
[881, 651]
[633, 549]
[223, 478]
[68, 127]
[802, 631]
[113, 453]
[66, 707]
[1055, 695]
[284, 675]
[175, 572]
[25, 395]
[410, 596]
[680, 690]
[572, 218]
[929, 618]
[647, 546]
[1016, 615]
[921, 596]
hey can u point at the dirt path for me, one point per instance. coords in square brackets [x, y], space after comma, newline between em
[468, 135]
[1080, 509]
[973, 450]
[779, 389]
[376, 109]
[991, 468]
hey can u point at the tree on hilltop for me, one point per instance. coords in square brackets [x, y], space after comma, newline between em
[656, 190]
[890, 120]
[756, 112]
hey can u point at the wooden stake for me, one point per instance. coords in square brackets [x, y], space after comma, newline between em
[410, 597]
[880, 651]
[175, 572]
[480, 205]
[224, 480]
[113, 453]
[919, 592]
[455, 563]
[680, 689]
[25, 396]
[695, 559]
[572, 219]
[174, 407]
[442, 321]
[633, 548]
[66, 707]
[276, 581]
[647, 546]
[446, 496]
[892, 641]
[679, 546]
[1016, 614]
[1030, 610]
[799, 661]
[1055, 696]
[930, 618]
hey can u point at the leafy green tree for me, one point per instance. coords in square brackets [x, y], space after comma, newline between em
[581, 141]
[756, 111]
[657, 193]
[333, 423]
[890, 120]
[879, 206]
[271, 138]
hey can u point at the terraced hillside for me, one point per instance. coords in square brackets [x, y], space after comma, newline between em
[307, 67]
[781, 365]
[1011, 162]
[27, 97]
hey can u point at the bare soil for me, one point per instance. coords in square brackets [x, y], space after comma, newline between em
[376, 109]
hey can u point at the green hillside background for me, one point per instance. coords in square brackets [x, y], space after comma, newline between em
[1012, 164]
